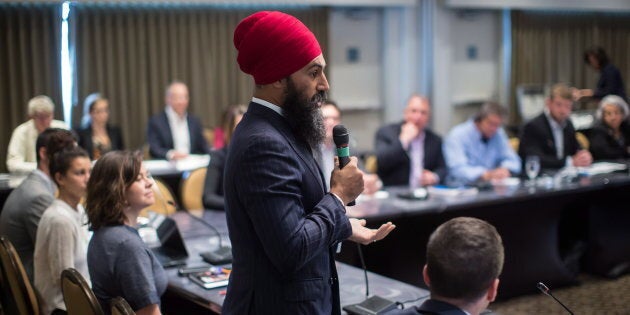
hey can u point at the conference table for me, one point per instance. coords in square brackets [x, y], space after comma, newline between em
[199, 238]
[533, 220]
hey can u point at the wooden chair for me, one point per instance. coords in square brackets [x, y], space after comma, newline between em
[18, 295]
[514, 143]
[121, 307]
[79, 298]
[163, 196]
[582, 140]
[208, 134]
[191, 189]
[371, 164]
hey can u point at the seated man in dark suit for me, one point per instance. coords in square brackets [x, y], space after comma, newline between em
[174, 133]
[551, 135]
[464, 260]
[408, 153]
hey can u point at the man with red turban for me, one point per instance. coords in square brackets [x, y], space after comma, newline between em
[283, 224]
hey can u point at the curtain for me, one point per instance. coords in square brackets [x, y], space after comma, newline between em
[548, 48]
[29, 63]
[130, 53]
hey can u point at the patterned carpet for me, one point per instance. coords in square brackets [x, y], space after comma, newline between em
[595, 295]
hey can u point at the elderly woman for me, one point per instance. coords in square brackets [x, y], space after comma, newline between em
[96, 135]
[62, 234]
[120, 263]
[610, 138]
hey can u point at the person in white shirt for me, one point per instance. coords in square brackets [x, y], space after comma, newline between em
[325, 156]
[21, 155]
[174, 133]
[62, 236]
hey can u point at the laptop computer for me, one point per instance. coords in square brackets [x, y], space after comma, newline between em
[172, 251]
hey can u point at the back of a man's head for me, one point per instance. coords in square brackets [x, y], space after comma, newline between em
[464, 257]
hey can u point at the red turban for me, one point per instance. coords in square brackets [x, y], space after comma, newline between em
[272, 45]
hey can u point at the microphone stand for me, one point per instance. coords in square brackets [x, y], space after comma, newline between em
[545, 290]
[219, 256]
[374, 305]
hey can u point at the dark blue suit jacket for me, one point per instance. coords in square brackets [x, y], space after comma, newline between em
[433, 307]
[537, 139]
[610, 82]
[282, 224]
[394, 164]
[160, 138]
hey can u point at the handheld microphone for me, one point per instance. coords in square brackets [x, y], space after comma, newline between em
[545, 290]
[219, 256]
[341, 139]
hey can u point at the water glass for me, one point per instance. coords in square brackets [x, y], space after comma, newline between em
[532, 166]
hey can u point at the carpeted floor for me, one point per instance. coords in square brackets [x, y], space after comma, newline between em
[595, 295]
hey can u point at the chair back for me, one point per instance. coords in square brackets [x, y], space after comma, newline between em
[192, 189]
[582, 140]
[18, 295]
[514, 143]
[371, 164]
[530, 99]
[208, 134]
[79, 298]
[163, 196]
[121, 307]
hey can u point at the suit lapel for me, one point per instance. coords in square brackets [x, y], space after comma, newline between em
[166, 132]
[301, 148]
[551, 141]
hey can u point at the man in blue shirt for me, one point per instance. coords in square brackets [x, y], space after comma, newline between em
[478, 149]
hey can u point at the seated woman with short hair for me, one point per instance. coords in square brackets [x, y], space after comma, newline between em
[610, 137]
[120, 263]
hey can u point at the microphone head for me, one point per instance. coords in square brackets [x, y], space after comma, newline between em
[340, 136]
[542, 287]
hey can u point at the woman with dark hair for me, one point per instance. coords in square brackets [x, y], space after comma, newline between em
[610, 81]
[62, 235]
[120, 263]
[610, 137]
[96, 135]
[213, 188]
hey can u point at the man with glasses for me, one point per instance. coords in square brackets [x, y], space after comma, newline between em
[21, 154]
[478, 149]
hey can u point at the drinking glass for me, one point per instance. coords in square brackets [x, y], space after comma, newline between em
[532, 167]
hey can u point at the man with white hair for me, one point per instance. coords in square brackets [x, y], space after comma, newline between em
[21, 155]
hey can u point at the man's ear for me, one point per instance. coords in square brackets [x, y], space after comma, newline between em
[425, 276]
[58, 178]
[42, 153]
[493, 290]
[280, 84]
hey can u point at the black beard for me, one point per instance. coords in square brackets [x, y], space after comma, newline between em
[304, 115]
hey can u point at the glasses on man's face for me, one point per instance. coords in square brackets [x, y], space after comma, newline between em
[42, 116]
